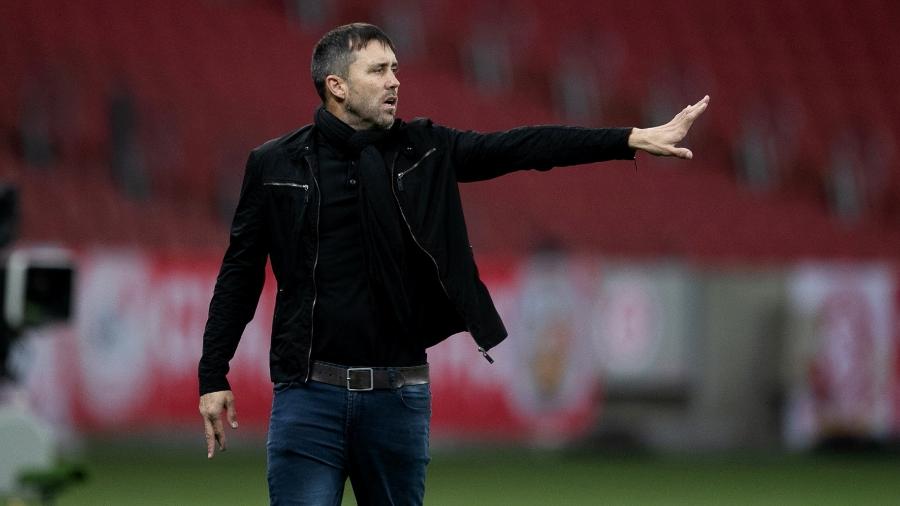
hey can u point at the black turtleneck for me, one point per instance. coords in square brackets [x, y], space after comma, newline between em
[353, 325]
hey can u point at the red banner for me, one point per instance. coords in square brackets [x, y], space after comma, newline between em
[129, 360]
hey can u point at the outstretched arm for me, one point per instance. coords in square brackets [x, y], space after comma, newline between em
[661, 140]
[479, 156]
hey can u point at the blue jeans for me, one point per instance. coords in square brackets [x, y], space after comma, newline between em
[320, 434]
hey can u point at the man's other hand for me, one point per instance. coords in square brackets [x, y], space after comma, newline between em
[662, 140]
[211, 407]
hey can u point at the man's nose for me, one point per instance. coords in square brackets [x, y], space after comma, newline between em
[393, 82]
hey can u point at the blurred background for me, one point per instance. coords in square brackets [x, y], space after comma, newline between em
[722, 330]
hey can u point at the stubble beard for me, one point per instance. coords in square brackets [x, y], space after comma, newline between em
[369, 114]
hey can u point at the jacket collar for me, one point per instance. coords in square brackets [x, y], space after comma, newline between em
[302, 143]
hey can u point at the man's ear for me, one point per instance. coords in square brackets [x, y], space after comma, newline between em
[336, 86]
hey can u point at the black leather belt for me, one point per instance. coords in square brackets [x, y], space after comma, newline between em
[368, 378]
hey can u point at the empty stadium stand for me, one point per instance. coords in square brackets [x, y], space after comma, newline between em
[206, 81]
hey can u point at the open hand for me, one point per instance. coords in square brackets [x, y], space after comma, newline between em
[662, 140]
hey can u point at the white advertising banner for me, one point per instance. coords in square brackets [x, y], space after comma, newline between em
[641, 321]
[841, 353]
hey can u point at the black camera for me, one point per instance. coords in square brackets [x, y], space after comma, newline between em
[36, 284]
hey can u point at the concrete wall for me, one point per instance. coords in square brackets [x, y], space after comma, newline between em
[730, 324]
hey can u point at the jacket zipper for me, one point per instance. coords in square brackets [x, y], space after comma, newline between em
[416, 240]
[312, 315]
[407, 171]
[292, 185]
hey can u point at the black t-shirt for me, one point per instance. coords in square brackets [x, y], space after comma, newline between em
[351, 326]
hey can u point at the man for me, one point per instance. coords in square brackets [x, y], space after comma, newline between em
[361, 217]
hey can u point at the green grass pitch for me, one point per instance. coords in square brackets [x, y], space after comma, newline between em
[144, 475]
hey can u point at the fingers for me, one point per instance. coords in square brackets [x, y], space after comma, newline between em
[683, 153]
[232, 413]
[219, 432]
[687, 115]
[210, 438]
[692, 111]
[215, 433]
[698, 108]
[685, 121]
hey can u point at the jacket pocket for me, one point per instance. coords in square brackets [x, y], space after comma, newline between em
[287, 202]
[413, 167]
[286, 184]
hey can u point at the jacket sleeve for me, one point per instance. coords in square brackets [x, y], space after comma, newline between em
[238, 284]
[480, 156]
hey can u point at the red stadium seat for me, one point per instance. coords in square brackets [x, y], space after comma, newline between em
[211, 79]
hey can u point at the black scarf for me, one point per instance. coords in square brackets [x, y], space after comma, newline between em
[380, 219]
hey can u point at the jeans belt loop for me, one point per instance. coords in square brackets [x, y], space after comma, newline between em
[397, 379]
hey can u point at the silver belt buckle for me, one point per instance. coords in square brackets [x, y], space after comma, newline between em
[352, 370]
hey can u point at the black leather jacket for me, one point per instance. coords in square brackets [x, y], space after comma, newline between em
[277, 217]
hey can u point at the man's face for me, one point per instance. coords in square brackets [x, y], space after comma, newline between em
[372, 86]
